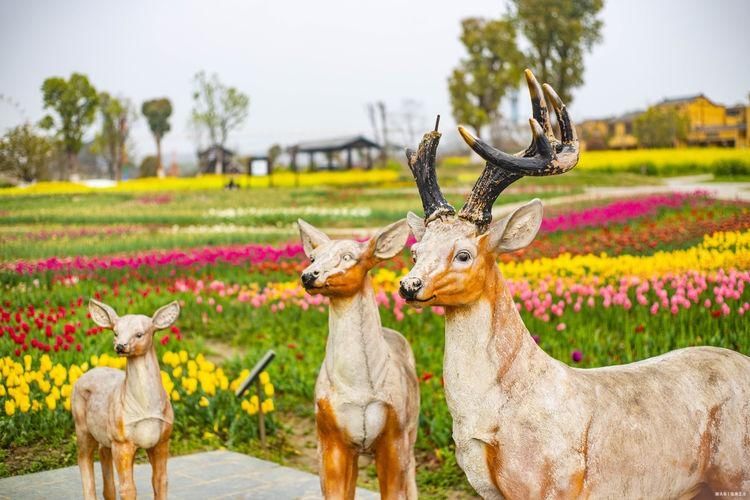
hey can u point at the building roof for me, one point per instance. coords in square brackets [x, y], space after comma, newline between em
[336, 144]
[682, 99]
[686, 99]
[212, 149]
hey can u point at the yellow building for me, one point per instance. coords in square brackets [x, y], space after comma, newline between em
[709, 124]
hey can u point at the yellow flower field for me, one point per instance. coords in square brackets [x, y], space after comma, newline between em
[153, 184]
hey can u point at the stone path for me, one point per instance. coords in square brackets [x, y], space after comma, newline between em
[210, 475]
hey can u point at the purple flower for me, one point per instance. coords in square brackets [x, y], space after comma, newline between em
[576, 356]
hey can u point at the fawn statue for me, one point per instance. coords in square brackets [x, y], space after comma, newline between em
[367, 392]
[121, 411]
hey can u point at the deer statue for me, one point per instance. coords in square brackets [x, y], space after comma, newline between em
[367, 392]
[528, 426]
[122, 411]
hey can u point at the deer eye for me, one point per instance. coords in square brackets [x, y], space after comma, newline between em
[139, 334]
[312, 259]
[463, 256]
[347, 257]
[413, 256]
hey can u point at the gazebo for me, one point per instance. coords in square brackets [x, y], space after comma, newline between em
[331, 148]
[208, 159]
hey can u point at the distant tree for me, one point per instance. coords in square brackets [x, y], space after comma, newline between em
[157, 113]
[273, 155]
[492, 68]
[384, 125]
[111, 142]
[148, 167]
[411, 121]
[559, 33]
[74, 103]
[24, 154]
[660, 127]
[372, 115]
[217, 109]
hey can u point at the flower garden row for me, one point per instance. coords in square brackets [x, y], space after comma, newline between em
[683, 281]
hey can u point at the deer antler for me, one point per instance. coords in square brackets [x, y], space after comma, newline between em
[544, 156]
[422, 165]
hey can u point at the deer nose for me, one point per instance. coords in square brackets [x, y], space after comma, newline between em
[120, 348]
[308, 279]
[409, 288]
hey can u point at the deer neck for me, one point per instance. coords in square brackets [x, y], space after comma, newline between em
[143, 393]
[356, 351]
[490, 356]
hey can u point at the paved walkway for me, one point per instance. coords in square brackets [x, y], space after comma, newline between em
[215, 474]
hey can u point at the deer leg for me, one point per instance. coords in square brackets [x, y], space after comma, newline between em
[392, 462]
[124, 454]
[86, 447]
[338, 471]
[108, 475]
[158, 457]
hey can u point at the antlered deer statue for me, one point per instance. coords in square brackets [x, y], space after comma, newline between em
[367, 392]
[527, 425]
[119, 412]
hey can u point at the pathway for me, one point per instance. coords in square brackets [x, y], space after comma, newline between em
[210, 475]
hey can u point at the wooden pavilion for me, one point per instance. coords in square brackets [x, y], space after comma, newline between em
[331, 149]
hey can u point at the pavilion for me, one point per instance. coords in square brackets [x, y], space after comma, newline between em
[331, 148]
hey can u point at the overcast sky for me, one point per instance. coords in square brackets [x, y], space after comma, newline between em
[310, 67]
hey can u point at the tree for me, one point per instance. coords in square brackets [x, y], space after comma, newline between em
[74, 103]
[493, 67]
[411, 120]
[111, 141]
[558, 34]
[24, 154]
[218, 109]
[157, 113]
[273, 155]
[660, 127]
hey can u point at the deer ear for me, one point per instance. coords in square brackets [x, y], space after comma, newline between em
[416, 224]
[102, 314]
[311, 236]
[516, 230]
[166, 315]
[390, 240]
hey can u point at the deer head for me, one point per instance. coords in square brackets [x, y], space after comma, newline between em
[455, 253]
[338, 267]
[134, 333]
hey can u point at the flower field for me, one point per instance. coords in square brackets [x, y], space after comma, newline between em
[611, 282]
[722, 162]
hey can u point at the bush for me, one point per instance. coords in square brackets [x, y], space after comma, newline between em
[148, 167]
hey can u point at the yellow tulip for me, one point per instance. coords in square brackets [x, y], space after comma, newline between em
[45, 363]
[203, 402]
[24, 404]
[264, 378]
[44, 386]
[267, 406]
[10, 408]
[268, 389]
[51, 402]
